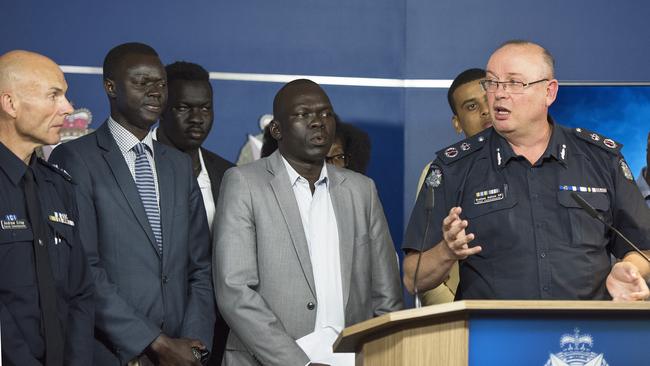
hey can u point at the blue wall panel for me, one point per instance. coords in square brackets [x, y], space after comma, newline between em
[592, 40]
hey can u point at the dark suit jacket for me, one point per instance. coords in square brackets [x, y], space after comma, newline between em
[216, 167]
[140, 294]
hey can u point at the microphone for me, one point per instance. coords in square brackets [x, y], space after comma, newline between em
[593, 213]
[428, 208]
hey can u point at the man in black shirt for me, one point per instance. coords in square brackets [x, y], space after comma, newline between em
[510, 187]
[46, 291]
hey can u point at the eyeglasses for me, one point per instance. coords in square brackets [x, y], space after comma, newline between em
[512, 87]
[337, 159]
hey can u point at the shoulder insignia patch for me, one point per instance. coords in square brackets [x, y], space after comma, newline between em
[434, 177]
[463, 148]
[55, 168]
[598, 140]
[627, 173]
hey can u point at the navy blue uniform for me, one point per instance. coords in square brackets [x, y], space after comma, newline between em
[20, 314]
[537, 242]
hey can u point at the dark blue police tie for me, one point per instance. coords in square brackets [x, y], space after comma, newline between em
[144, 180]
[54, 346]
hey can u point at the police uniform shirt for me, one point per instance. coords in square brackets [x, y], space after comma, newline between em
[537, 242]
[20, 314]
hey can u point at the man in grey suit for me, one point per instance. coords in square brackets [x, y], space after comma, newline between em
[302, 248]
[142, 224]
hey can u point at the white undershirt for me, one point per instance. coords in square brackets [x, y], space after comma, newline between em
[321, 232]
[206, 191]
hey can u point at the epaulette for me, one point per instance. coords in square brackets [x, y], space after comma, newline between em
[55, 168]
[598, 140]
[463, 148]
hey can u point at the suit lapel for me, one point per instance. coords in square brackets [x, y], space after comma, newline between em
[343, 210]
[289, 207]
[165, 173]
[115, 161]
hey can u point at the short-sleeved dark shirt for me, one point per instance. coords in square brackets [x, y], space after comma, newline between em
[20, 314]
[537, 242]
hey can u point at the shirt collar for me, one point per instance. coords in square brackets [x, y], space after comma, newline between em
[126, 140]
[556, 147]
[13, 167]
[294, 176]
[643, 184]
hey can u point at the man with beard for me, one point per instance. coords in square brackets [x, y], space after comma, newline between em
[142, 223]
[513, 185]
[185, 124]
[302, 248]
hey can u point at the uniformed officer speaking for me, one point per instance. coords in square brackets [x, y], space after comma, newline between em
[500, 202]
[46, 292]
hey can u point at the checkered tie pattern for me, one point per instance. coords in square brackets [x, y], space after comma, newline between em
[147, 189]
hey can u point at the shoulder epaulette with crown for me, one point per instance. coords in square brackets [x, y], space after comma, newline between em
[55, 168]
[601, 141]
[463, 148]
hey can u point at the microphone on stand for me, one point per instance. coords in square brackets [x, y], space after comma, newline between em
[593, 213]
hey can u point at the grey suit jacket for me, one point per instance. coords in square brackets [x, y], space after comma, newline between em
[139, 293]
[263, 273]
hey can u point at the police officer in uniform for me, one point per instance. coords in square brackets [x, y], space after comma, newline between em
[500, 202]
[46, 292]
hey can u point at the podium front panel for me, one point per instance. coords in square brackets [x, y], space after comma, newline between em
[558, 340]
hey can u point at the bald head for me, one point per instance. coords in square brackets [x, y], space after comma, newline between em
[545, 57]
[284, 97]
[23, 69]
[32, 101]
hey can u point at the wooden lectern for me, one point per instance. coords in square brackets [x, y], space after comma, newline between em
[478, 333]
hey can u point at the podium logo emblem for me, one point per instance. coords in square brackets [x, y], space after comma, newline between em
[576, 351]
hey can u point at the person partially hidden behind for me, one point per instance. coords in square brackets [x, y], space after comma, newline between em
[46, 288]
[302, 248]
[184, 125]
[142, 223]
[504, 206]
[643, 180]
[471, 115]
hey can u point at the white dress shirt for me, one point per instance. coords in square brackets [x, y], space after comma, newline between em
[321, 231]
[206, 192]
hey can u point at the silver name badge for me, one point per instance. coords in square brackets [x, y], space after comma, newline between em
[488, 196]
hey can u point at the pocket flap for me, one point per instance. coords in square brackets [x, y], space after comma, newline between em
[599, 201]
[8, 236]
[473, 210]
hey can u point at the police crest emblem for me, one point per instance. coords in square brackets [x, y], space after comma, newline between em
[626, 170]
[434, 178]
[576, 351]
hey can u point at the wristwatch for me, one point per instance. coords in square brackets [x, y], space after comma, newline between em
[196, 353]
[201, 355]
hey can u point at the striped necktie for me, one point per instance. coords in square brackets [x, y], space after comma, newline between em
[144, 180]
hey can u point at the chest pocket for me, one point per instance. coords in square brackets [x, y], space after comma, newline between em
[489, 220]
[60, 247]
[16, 258]
[586, 230]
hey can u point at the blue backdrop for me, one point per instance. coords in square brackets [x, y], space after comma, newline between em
[410, 39]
